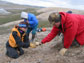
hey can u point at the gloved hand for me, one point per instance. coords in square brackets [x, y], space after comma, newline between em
[32, 45]
[38, 43]
[62, 51]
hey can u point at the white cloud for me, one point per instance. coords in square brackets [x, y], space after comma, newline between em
[34, 2]
[74, 4]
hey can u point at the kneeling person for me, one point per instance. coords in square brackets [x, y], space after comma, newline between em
[17, 40]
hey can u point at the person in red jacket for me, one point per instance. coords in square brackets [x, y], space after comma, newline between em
[71, 25]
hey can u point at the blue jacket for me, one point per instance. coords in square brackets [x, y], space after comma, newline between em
[32, 20]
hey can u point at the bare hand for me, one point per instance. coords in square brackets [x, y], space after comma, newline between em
[38, 43]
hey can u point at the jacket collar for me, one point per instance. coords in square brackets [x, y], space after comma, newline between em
[63, 18]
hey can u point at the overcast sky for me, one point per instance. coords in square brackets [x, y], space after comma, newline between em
[74, 4]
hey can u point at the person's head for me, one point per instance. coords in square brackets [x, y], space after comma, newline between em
[23, 26]
[24, 15]
[55, 19]
[69, 11]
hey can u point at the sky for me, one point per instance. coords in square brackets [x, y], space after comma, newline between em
[73, 4]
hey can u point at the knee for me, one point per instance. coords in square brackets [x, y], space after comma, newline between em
[15, 56]
[33, 32]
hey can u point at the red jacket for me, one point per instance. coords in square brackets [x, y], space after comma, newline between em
[72, 27]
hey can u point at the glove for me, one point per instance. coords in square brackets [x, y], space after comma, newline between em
[38, 43]
[62, 51]
[32, 45]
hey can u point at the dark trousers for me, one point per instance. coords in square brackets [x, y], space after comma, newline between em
[33, 33]
[75, 43]
[13, 52]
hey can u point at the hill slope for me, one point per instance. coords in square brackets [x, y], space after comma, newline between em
[47, 53]
[46, 11]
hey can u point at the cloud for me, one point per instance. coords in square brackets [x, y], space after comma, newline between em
[74, 4]
[34, 2]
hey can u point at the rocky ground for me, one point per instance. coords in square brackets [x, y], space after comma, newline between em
[47, 53]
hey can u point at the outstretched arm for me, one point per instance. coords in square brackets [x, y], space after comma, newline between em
[51, 35]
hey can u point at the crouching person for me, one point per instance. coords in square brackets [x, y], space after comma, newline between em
[72, 27]
[17, 40]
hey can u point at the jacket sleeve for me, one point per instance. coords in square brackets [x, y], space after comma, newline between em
[17, 39]
[51, 35]
[70, 33]
[26, 41]
[33, 20]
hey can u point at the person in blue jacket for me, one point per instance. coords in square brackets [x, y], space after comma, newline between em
[33, 23]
